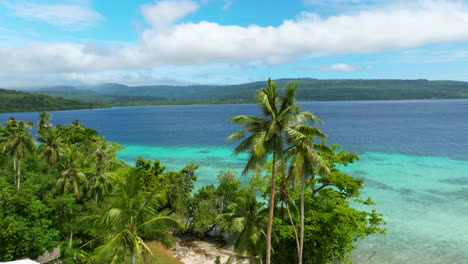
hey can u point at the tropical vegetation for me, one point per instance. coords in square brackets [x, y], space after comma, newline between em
[311, 90]
[16, 101]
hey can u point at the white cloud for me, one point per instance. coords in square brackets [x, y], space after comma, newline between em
[68, 16]
[169, 43]
[340, 67]
[164, 13]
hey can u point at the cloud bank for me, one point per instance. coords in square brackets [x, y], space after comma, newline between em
[169, 42]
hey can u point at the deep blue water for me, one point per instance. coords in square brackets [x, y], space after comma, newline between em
[424, 127]
[414, 159]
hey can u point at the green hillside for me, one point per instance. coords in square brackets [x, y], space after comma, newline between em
[310, 90]
[14, 101]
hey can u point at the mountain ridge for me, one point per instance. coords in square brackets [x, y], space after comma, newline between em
[309, 90]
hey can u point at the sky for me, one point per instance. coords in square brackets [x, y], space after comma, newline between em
[141, 42]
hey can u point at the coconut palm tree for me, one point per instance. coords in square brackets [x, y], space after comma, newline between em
[5, 135]
[132, 216]
[72, 180]
[248, 225]
[17, 143]
[43, 122]
[52, 146]
[100, 158]
[269, 135]
[306, 163]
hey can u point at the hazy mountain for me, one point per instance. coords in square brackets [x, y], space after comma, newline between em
[310, 89]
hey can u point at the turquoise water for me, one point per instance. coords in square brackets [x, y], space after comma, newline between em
[423, 199]
[413, 157]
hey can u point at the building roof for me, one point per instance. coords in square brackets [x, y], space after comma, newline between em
[21, 261]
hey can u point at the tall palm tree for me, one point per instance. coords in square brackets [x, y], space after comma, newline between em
[306, 163]
[268, 135]
[6, 134]
[132, 216]
[100, 157]
[72, 180]
[51, 147]
[18, 143]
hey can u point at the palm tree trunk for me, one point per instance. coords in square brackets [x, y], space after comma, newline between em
[133, 260]
[301, 236]
[272, 209]
[70, 242]
[14, 163]
[294, 230]
[19, 173]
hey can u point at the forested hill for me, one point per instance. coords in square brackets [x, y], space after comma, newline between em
[310, 90]
[14, 101]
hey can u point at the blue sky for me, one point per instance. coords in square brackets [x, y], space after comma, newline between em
[229, 41]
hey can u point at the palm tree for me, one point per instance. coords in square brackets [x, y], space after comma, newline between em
[72, 178]
[43, 122]
[18, 143]
[306, 162]
[269, 135]
[248, 222]
[51, 147]
[6, 134]
[101, 158]
[132, 216]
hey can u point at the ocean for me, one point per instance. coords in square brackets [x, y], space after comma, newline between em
[413, 157]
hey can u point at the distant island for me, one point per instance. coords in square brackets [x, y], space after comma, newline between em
[114, 94]
[15, 101]
[311, 90]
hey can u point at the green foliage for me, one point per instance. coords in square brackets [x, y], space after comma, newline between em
[248, 223]
[177, 185]
[132, 217]
[331, 228]
[72, 179]
[65, 210]
[17, 143]
[311, 90]
[211, 206]
[14, 101]
[332, 224]
[76, 134]
[25, 225]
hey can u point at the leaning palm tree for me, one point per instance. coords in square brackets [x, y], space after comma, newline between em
[132, 216]
[17, 143]
[72, 179]
[269, 135]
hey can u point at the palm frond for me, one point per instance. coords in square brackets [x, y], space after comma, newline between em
[289, 97]
[236, 135]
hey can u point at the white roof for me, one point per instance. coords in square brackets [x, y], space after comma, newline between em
[22, 261]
